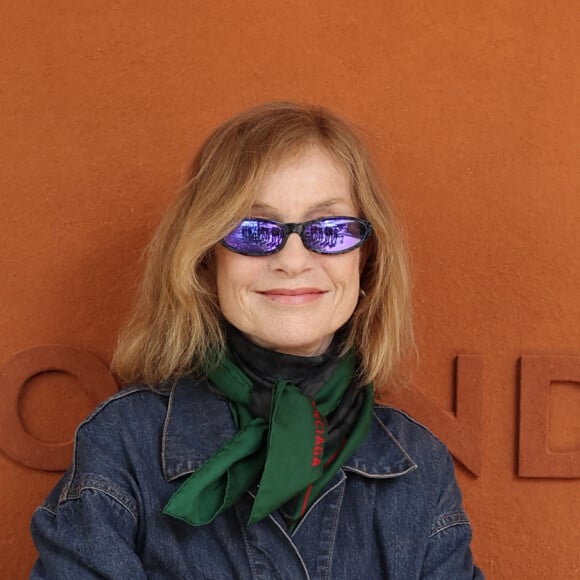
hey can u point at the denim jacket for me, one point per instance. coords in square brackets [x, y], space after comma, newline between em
[393, 510]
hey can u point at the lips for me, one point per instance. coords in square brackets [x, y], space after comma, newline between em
[292, 292]
[292, 296]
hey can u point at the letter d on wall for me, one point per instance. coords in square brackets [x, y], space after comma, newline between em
[538, 373]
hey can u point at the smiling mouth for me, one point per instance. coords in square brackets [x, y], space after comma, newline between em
[293, 297]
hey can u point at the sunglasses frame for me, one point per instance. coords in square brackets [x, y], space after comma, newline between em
[298, 228]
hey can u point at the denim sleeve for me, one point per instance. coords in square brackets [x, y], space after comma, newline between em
[91, 534]
[449, 553]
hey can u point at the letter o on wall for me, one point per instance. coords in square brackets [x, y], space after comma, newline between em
[15, 441]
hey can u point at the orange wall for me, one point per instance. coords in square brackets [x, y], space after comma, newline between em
[473, 111]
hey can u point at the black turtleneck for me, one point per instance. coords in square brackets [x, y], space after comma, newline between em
[264, 367]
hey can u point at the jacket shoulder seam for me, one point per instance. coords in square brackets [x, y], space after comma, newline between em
[90, 482]
[122, 394]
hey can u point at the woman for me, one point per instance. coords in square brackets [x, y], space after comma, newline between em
[249, 445]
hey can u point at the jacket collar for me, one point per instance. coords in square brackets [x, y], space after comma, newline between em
[199, 422]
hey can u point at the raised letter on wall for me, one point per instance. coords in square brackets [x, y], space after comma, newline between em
[538, 376]
[15, 441]
[461, 431]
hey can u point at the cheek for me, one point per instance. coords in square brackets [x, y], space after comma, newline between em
[233, 276]
[347, 275]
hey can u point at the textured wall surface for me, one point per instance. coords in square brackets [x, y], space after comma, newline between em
[472, 110]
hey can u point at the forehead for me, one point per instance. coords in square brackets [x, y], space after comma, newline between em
[311, 180]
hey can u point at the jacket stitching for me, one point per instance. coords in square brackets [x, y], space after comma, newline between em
[319, 499]
[394, 440]
[102, 485]
[449, 520]
[50, 509]
[164, 434]
[333, 534]
[379, 475]
[120, 395]
[296, 551]
[411, 419]
[249, 550]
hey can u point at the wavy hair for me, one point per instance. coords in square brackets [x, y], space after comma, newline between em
[176, 326]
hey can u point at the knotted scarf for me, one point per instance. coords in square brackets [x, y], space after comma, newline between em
[287, 451]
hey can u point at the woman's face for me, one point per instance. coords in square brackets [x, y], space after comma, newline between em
[293, 301]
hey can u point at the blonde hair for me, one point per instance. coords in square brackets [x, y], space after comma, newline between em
[176, 327]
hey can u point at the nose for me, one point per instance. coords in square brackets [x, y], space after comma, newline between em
[294, 257]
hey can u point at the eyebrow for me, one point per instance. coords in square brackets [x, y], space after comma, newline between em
[272, 211]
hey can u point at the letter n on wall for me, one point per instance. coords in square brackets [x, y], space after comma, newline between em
[538, 375]
[461, 431]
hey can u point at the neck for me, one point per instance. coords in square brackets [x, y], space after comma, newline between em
[264, 367]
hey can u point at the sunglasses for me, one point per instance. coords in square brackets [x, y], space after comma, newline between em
[327, 235]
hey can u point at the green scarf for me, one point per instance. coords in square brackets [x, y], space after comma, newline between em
[287, 451]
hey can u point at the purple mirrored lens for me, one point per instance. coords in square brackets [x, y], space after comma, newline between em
[333, 235]
[255, 237]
